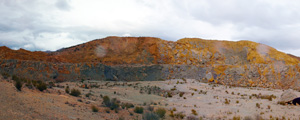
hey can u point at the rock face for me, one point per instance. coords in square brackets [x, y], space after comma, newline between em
[242, 63]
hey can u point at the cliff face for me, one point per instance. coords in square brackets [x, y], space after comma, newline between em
[242, 63]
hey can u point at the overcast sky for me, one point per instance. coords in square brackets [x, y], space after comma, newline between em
[53, 24]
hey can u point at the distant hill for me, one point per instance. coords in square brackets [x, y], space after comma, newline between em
[241, 63]
[149, 50]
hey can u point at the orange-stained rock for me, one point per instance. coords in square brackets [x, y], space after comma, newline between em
[149, 50]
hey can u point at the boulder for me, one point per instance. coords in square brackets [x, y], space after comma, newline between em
[288, 96]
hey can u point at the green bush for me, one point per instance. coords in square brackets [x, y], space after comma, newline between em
[18, 85]
[160, 112]
[150, 116]
[75, 92]
[139, 110]
[95, 109]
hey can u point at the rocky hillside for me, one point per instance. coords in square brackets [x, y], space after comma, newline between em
[145, 58]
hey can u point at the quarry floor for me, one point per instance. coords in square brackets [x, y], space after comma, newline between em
[210, 101]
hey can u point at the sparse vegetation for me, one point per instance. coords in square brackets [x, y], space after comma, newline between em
[88, 94]
[107, 110]
[281, 103]
[94, 109]
[111, 103]
[169, 94]
[5, 75]
[194, 112]
[18, 85]
[227, 102]
[67, 90]
[41, 86]
[236, 118]
[181, 94]
[160, 112]
[126, 105]
[75, 92]
[150, 116]
[139, 110]
[257, 105]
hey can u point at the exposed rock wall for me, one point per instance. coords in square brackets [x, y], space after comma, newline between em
[263, 75]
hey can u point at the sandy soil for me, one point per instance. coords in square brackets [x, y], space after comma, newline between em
[208, 101]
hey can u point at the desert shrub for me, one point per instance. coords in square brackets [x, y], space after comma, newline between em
[5, 75]
[127, 105]
[179, 115]
[192, 118]
[194, 112]
[227, 101]
[67, 89]
[51, 84]
[41, 86]
[106, 101]
[111, 103]
[248, 118]
[269, 97]
[75, 92]
[150, 108]
[121, 118]
[115, 104]
[150, 116]
[88, 94]
[160, 112]
[257, 105]
[107, 110]
[236, 118]
[281, 103]
[181, 94]
[173, 89]
[169, 94]
[139, 110]
[18, 85]
[95, 109]
[15, 78]
[171, 114]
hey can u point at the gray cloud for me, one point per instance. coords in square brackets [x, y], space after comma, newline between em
[63, 5]
[51, 25]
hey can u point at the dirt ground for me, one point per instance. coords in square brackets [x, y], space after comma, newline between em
[209, 101]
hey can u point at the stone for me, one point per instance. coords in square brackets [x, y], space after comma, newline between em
[288, 96]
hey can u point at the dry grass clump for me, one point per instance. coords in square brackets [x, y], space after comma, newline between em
[139, 110]
[257, 105]
[94, 109]
[227, 102]
[268, 97]
[194, 112]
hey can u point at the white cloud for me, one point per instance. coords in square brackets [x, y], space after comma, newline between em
[50, 25]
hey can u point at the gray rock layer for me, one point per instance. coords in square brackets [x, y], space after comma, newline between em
[263, 75]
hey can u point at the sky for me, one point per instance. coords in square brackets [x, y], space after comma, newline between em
[53, 24]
